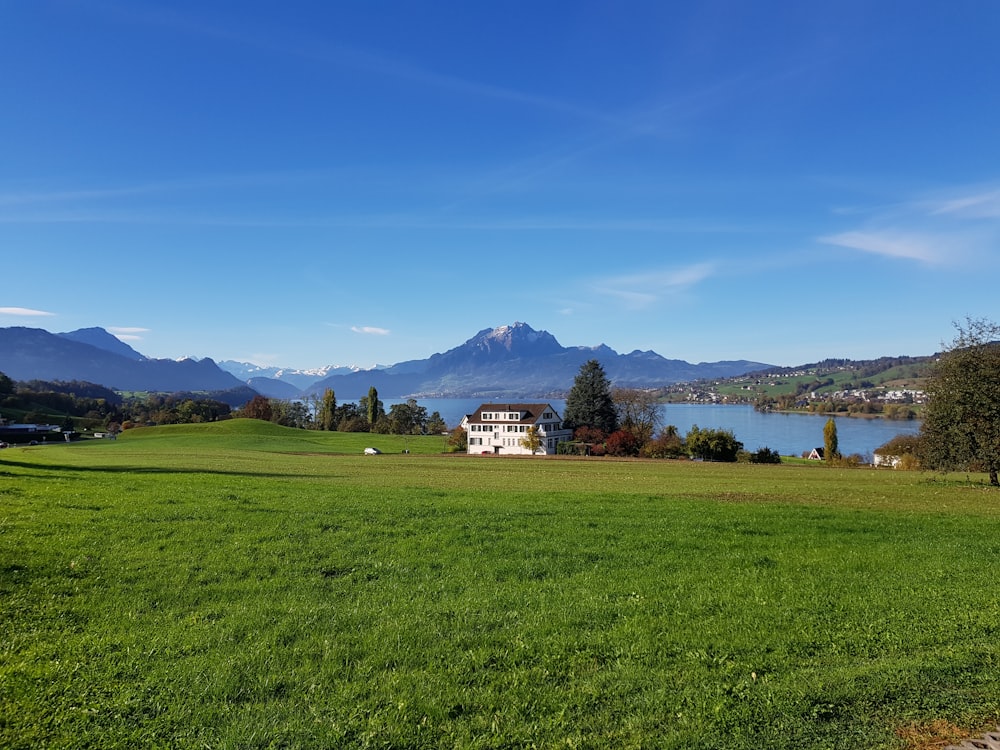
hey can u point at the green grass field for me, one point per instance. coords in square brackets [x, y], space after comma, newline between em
[240, 585]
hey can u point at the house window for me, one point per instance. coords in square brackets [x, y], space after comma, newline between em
[547, 415]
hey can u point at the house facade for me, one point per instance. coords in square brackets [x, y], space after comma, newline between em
[502, 429]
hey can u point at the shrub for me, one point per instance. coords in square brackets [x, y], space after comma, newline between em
[765, 456]
[712, 445]
[668, 444]
[458, 441]
[623, 443]
[846, 462]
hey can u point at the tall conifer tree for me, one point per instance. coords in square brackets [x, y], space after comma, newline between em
[373, 407]
[589, 403]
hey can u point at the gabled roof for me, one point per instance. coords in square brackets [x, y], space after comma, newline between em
[530, 413]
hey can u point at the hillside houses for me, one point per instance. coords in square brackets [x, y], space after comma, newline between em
[502, 429]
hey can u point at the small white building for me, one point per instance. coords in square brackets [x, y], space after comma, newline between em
[502, 428]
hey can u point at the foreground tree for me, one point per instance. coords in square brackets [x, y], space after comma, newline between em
[589, 402]
[961, 427]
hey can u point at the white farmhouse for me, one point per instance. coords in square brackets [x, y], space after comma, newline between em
[501, 428]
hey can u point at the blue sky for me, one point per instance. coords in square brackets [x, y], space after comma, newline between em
[312, 183]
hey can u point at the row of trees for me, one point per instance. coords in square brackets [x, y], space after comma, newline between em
[79, 405]
[830, 405]
[367, 415]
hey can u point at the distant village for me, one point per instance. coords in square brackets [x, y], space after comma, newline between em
[807, 391]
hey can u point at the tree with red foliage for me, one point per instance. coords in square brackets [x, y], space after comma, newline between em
[589, 435]
[623, 443]
[258, 407]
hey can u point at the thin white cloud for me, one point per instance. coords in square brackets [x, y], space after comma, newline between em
[949, 228]
[128, 333]
[893, 244]
[26, 312]
[321, 50]
[370, 330]
[983, 205]
[643, 290]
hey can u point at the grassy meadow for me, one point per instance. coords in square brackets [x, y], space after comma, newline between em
[242, 585]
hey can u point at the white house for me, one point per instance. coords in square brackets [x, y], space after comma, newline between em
[501, 428]
[880, 459]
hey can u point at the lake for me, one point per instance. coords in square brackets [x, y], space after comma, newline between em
[789, 434]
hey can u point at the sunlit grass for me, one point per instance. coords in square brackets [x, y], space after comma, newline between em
[238, 585]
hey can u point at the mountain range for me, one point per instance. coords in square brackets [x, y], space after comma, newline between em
[515, 361]
[511, 361]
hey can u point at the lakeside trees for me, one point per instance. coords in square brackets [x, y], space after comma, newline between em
[625, 421]
[712, 445]
[638, 412]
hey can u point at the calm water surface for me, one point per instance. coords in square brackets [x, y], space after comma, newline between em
[789, 434]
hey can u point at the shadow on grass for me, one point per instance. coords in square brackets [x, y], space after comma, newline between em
[39, 470]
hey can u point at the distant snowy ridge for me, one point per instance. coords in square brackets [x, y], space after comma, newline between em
[300, 378]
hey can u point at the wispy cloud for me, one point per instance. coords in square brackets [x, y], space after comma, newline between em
[643, 290]
[321, 50]
[25, 312]
[371, 330]
[949, 228]
[128, 333]
[979, 205]
[891, 244]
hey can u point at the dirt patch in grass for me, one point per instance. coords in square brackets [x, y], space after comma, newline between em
[935, 735]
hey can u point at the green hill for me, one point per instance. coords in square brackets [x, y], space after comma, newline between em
[255, 434]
